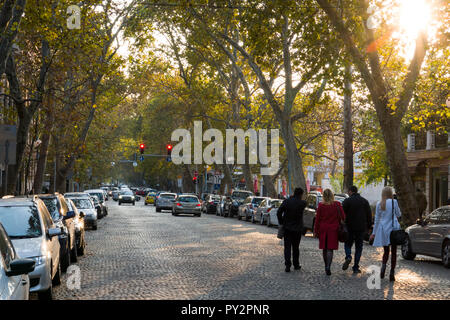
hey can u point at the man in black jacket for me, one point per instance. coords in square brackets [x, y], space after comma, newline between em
[358, 218]
[290, 216]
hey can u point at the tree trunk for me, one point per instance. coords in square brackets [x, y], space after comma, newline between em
[396, 154]
[269, 186]
[348, 131]
[42, 161]
[293, 156]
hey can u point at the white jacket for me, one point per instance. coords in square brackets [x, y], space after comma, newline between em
[383, 223]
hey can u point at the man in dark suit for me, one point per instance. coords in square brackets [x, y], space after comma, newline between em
[290, 216]
[358, 218]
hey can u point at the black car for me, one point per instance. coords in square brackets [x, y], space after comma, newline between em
[79, 227]
[64, 219]
[231, 206]
[210, 203]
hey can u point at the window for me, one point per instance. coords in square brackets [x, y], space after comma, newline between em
[52, 206]
[257, 201]
[311, 201]
[445, 217]
[6, 248]
[264, 203]
[83, 203]
[188, 199]
[248, 200]
[168, 196]
[433, 217]
[48, 222]
[21, 222]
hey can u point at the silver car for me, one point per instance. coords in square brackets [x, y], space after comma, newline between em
[187, 204]
[430, 237]
[268, 205]
[86, 206]
[164, 201]
[14, 280]
[249, 206]
[33, 234]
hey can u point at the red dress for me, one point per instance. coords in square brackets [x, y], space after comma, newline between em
[326, 224]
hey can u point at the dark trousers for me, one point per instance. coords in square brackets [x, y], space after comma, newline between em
[356, 237]
[292, 243]
[393, 248]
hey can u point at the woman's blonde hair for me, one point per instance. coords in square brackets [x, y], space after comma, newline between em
[386, 193]
[328, 196]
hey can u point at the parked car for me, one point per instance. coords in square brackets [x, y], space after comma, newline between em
[101, 198]
[14, 279]
[237, 198]
[312, 203]
[187, 204]
[220, 206]
[64, 219]
[115, 194]
[430, 237]
[34, 235]
[248, 207]
[210, 203]
[150, 198]
[272, 218]
[262, 212]
[86, 206]
[80, 238]
[127, 196]
[165, 201]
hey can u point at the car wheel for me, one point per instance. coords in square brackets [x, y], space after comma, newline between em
[134, 203]
[74, 254]
[158, 209]
[407, 253]
[268, 221]
[120, 203]
[94, 227]
[239, 217]
[252, 219]
[145, 203]
[57, 278]
[446, 254]
[46, 295]
[198, 215]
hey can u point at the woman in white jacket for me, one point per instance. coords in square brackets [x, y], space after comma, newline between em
[386, 220]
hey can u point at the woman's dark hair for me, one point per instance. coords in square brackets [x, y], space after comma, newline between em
[353, 189]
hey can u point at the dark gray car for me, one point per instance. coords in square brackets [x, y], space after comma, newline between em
[430, 237]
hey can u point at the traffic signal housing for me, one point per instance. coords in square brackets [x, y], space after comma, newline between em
[169, 152]
[142, 148]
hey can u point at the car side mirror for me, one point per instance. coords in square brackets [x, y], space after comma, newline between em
[53, 232]
[69, 215]
[20, 266]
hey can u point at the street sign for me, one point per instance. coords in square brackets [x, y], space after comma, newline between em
[8, 144]
[142, 158]
[169, 158]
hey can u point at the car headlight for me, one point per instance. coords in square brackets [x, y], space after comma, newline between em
[132, 198]
[39, 260]
[120, 197]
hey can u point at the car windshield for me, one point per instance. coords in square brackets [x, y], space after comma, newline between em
[82, 203]
[98, 194]
[127, 193]
[21, 222]
[276, 204]
[168, 196]
[257, 201]
[240, 195]
[188, 199]
[52, 207]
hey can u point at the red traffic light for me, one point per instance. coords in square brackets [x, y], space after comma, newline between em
[169, 147]
[142, 146]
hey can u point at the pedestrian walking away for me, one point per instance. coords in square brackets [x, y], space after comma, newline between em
[328, 217]
[358, 218]
[386, 220]
[290, 216]
[422, 202]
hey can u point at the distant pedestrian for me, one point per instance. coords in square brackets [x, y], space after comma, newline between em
[328, 217]
[386, 220]
[358, 218]
[422, 202]
[290, 216]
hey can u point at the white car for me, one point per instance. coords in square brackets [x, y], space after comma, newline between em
[264, 209]
[14, 280]
[33, 234]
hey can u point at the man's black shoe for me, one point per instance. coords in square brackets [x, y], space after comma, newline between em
[346, 264]
[356, 271]
[328, 271]
[297, 267]
[288, 269]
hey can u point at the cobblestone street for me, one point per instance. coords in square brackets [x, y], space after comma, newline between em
[137, 253]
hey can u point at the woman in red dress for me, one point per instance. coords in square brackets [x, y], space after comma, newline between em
[328, 216]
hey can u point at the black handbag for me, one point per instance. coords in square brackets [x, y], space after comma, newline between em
[280, 234]
[397, 237]
[342, 231]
